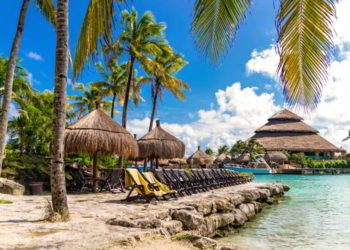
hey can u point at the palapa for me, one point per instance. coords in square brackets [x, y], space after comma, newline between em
[160, 144]
[275, 156]
[98, 134]
[222, 159]
[286, 131]
[199, 158]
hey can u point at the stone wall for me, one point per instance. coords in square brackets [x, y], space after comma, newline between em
[201, 217]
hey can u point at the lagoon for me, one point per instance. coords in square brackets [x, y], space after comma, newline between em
[315, 214]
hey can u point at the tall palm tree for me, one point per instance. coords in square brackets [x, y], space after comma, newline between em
[47, 8]
[223, 150]
[305, 40]
[163, 69]
[140, 38]
[58, 185]
[90, 98]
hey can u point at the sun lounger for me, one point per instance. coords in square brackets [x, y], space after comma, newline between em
[157, 185]
[137, 183]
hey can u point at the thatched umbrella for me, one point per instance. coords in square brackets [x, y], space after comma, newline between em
[243, 158]
[275, 156]
[98, 134]
[222, 159]
[199, 158]
[160, 144]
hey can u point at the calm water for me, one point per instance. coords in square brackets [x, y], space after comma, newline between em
[314, 215]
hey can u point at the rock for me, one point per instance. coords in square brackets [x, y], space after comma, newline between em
[205, 207]
[240, 217]
[145, 224]
[251, 208]
[163, 215]
[250, 196]
[224, 205]
[122, 222]
[165, 232]
[204, 243]
[272, 201]
[264, 194]
[244, 208]
[236, 199]
[189, 220]
[285, 188]
[258, 206]
[11, 187]
[172, 227]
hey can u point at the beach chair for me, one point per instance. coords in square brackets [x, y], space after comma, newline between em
[166, 177]
[157, 185]
[196, 181]
[184, 182]
[112, 179]
[206, 181]
[137, 183]
[80, 181]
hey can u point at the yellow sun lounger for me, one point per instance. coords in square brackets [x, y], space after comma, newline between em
[142, 187]
[149, 176]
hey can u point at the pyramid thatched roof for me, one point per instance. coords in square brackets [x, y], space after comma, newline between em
[286, 131]
[159, 143]
[98, 133]
[199, 158]
[243, 158]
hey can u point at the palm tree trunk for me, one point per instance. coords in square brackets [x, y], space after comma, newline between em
[126, 102]
[9, 80]
[58, 185]
[94, 172]
[113, 103]
[154, 108]
[127, 93]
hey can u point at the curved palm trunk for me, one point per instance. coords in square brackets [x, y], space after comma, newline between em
[9, 80]
[154, 103]
[113, 103]
[126, 102]
[58, 185]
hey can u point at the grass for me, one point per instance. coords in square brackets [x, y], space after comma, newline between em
[5, 202]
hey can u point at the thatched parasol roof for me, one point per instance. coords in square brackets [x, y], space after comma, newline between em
[159, 143]
[179, 161]
[222, 158]
[243, 158]
[286, 131]
[199, 158]
[276, 156]
[98, 133]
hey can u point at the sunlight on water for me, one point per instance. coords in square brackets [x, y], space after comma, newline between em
[314, 215]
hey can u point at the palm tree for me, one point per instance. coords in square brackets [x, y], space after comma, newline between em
[90, 98]
[209, 151]
[162, 69]
[305, 40]
[115, 76]
[47, 8]
[58, 185]
[140, 38]
[223, 150]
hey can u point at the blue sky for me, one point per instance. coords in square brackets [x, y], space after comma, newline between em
[227, 101]
[204, 78]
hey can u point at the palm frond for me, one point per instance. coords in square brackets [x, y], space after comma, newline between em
[305, 48]
[97, 25]
[215, 23]
[47, 7]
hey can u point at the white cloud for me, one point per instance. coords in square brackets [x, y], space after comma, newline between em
[235, 115]
[263, 62]
[35, 56]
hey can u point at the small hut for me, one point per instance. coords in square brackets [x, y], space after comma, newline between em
[199, 159]
[222, 159]
[243, 158]
[275, 156]
[98, 134]
[160, 144]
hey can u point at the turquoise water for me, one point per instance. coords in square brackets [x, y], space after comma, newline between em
[314, 215]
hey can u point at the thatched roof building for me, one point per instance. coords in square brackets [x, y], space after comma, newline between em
[160, 144]
[199, 158]
[286, 131]
[97, 133]
[243, 158]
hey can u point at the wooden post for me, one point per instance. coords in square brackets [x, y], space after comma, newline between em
[94, 172]
[157, 163]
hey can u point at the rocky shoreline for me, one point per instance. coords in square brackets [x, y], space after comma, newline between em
[104, 221]
[199, 220]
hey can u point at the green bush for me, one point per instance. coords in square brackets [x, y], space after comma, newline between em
[306, 162]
